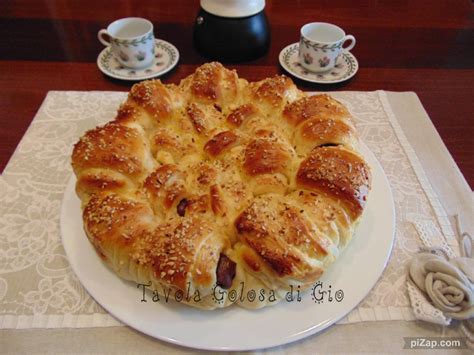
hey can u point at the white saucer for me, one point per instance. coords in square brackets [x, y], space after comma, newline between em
[346, 67]
[166, 57]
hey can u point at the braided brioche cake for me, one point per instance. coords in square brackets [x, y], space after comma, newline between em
[221, 185]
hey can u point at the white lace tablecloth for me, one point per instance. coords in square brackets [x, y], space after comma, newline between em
[38, 288]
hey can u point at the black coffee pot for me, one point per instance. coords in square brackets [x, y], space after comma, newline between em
[232, 30]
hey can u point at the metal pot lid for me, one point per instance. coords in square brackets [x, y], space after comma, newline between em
[233, 8]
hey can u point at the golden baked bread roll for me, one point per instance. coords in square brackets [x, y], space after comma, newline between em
[218, 186]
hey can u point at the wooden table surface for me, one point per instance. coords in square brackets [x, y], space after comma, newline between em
[421, 46]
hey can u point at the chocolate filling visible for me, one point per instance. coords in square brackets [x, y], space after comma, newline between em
[225, 272]
[181, 208]
[329, 145]
[217, 107]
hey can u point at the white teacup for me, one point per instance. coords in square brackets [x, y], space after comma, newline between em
[320, 45]
[131, 40]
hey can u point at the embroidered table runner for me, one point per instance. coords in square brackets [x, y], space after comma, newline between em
[38, 289]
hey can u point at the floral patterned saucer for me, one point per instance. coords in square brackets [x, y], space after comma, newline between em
[346, 67]
[166, 57]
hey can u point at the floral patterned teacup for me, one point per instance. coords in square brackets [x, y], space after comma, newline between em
[131, 40]
[320, 45]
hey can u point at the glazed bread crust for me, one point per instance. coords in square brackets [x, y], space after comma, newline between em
[221, 184]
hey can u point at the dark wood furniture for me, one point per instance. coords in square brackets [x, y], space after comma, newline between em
[422, 46]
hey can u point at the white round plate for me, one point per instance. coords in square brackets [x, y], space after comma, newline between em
[355, 272]
[346, 67]
[166, 58]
